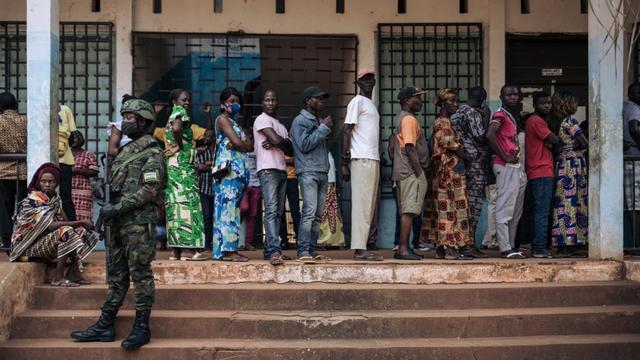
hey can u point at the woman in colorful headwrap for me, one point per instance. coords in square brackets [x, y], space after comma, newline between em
[185, 225]
[446, 216]
[43, 231]
[570, 201]
[231, 173]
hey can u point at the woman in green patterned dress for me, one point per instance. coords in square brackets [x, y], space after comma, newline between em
[185, 225]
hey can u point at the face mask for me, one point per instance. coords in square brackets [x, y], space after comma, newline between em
[130, 128]
[233, 109]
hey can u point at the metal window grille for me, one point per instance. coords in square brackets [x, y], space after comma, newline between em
[631, 207]
[429, 56]
[636, 56]
[86, 73]
[204, 64]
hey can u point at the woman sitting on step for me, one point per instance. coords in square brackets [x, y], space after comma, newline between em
[43, 231]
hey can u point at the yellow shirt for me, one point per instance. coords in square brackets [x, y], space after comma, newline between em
[66, 125]
[291, 169]
[198, 133]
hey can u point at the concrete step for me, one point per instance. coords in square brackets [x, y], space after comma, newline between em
[480, 271]
[584, 347]
[346, 297]
[194, 324]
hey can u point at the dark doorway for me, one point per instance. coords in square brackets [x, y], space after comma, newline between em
[549, 62]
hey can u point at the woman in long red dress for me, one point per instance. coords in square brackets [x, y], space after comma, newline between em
[85, 167]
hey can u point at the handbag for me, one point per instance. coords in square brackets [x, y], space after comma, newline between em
[221, 170]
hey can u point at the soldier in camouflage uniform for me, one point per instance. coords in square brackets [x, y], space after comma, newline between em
[138, 176]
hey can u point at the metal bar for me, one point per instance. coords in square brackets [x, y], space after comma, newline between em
[12, 156]
[7, 58]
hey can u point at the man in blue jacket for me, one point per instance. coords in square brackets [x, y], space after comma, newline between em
[309, 133]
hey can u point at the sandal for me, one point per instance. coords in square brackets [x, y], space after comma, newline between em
[198, 256]
[276, 259]
[64, 283]
[513, 254]
[320, 257]
[306, 259]
[406, 256]
[471, 251]
[368, 256]
[234, 257]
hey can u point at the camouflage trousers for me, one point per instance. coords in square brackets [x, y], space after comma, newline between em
[131, 250]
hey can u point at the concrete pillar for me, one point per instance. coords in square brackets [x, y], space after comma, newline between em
[606, 77]
[124, 53]
[42, 82]
[494, 51]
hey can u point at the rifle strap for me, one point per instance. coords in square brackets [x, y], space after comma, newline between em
[145, 152]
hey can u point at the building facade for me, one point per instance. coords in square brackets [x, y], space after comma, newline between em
[148, 47]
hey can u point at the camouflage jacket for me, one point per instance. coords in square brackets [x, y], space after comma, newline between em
[138, 176]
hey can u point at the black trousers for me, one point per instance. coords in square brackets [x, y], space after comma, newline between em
[293, 198]
[206, 202]
[65, 192]
[8, 192]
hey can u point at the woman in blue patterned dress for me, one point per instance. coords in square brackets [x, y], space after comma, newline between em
[570, 199]
[231, 175]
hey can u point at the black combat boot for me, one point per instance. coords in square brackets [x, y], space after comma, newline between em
[102, 330]
[140, 334]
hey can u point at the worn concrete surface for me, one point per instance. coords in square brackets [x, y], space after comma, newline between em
[388, 272]
[632, 269]
[17, 282]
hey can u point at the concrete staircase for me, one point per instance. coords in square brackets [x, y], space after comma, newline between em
[577, 320]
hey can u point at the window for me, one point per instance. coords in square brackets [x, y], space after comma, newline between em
[584, 6]
[280, 6]
[157, 6]
[95, 5]
[524, 7]
[217, 6]
[402, 6]
[340, 6]
[429, 56]
[86, 73]
[464, 6]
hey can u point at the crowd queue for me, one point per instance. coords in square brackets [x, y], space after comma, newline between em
[203, 181]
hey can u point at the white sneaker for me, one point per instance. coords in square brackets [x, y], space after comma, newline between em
[423, 247]
[395, 248]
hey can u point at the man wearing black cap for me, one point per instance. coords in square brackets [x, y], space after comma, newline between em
[410, 162]
[309, 134]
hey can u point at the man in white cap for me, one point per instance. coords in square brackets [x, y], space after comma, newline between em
[361, 161]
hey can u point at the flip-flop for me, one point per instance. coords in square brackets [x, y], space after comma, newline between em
[234, 257]
[197, 257]
[64, 283]
[368, 256]
[276, 260]
[306, 260]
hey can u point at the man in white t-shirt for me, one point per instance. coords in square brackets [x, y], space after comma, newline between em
[361, 161]
[271, 142]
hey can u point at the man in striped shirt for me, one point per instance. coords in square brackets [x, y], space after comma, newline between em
[204, 159]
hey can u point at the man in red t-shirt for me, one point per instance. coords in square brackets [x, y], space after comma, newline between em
[539, 166]
[511, 181]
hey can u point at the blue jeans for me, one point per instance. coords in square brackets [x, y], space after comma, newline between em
[542, 190]
[314, 193]
[274, 184]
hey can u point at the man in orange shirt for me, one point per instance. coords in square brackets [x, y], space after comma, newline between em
[410, 162]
